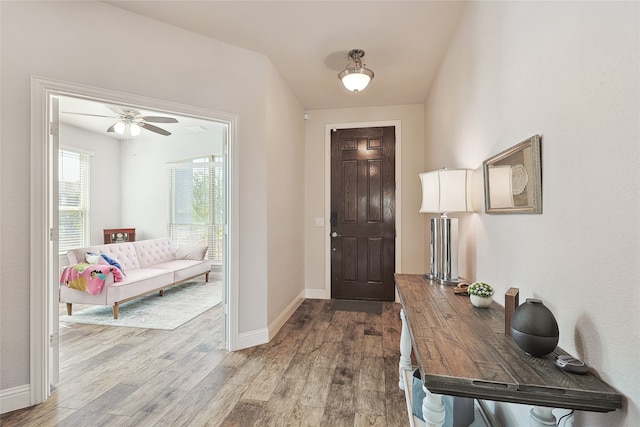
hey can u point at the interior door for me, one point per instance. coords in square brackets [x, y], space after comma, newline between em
[54, 332]
[363, 213]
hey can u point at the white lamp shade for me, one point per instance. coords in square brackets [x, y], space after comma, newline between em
[446, 190]
[500, 186]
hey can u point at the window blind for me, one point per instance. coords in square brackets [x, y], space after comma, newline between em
[196, 203]
[73, 199]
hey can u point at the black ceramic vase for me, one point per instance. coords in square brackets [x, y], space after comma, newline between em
[534, 328]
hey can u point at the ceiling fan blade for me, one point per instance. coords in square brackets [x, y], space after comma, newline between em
[155, 129]
[112, 128]
[86, 114]
[157, 119]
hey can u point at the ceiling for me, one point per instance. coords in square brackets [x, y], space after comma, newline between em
[307, 42]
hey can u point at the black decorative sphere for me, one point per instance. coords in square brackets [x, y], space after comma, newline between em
[534, 328]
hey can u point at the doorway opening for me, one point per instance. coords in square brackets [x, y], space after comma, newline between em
[210, 135]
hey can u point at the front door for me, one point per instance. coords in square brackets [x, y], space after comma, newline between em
[363, 213]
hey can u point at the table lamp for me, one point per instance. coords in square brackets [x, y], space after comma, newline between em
[445, 191]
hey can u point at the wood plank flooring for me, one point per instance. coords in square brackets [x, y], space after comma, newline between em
[324, 368]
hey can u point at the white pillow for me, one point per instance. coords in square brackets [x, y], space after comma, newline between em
[192, 252]
[92, 258]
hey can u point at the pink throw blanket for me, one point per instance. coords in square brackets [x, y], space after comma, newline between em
[88, 277]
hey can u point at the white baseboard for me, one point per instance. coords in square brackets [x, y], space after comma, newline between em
[263, 336]
[279, 321]
[315, 294]
[252, 338]
[15, 398]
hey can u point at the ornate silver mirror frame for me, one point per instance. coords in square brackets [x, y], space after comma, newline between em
[513, 180]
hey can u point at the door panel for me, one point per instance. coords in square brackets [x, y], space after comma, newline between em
[363, 213]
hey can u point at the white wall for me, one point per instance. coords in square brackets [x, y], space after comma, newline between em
[411, 160]
[285, 202]
[570, 72]
[144, 187]
[81, 42]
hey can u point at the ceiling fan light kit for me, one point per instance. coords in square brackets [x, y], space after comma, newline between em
[357, 77]
[132, 122]
[122, 126]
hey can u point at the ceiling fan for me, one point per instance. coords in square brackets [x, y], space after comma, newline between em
[133, 121]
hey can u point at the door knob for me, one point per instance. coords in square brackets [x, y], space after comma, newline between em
[335, 234]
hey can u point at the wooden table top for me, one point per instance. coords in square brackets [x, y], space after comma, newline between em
[463, 351]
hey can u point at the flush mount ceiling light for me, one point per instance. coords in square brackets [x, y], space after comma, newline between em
[356, 78]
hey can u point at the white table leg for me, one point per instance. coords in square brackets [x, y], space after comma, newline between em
[432, 409]
[540, 416]
[405, 350]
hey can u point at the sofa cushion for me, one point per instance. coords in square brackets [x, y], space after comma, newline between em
[192, 252]
[138, 282]
[77, 256]
[92, 258]
[184, 269]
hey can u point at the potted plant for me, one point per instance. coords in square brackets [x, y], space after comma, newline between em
[481, 294]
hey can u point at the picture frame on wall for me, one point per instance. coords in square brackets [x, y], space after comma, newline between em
[513, 179]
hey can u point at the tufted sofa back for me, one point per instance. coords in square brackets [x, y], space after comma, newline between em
[154, 251]
[124, 253]
[130, 255]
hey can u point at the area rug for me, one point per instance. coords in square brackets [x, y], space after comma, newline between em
[374, 307]
[180, 304]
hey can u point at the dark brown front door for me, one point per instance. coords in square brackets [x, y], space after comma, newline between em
[363, 213]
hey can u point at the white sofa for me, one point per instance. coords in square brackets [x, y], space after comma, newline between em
[148, 266]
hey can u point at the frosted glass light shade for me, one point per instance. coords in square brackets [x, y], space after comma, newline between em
[119, 128]
[356, 79]
[134, 129]
[446, 190]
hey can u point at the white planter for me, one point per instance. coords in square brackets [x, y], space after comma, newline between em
[481, 302]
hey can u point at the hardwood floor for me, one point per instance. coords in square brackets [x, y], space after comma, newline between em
[324, 368]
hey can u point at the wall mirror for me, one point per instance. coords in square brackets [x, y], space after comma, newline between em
[513, 180]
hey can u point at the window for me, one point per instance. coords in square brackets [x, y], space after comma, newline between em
[73, 199]
[196, 204]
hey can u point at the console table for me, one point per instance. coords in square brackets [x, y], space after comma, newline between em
[463, 351]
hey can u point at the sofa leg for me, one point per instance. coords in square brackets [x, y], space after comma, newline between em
[161, 292]
[69, 309]
[115, 310]
[206, 277]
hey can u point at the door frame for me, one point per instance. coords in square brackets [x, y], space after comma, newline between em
[43, 289]
[328, 128]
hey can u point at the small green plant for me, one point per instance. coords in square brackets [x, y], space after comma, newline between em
[480, 289]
